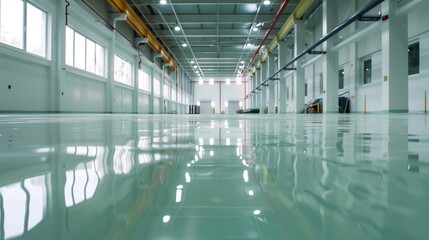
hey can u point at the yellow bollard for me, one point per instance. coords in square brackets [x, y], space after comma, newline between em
[426, 103]
[364, 105]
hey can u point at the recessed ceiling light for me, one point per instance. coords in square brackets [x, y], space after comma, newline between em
[192, 62]
[163, 1]
[184, 45]
[196, 71]
[195, 66]
[177, 28]
[266, 2]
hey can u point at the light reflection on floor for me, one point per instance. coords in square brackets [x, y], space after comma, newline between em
[214, 177]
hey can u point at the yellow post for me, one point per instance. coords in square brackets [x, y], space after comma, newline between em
[364, 105]
[426, 103]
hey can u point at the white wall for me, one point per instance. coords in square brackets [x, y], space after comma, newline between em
[350, 57]
[49, 85]
[219, 92]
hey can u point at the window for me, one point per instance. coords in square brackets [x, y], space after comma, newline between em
[36, 31]
[341, 79]
[21, 21]
[123, 71]
[321, 83]
[144, 81]
[367, 69]
[156, 87]
[166, 92]
[84, 53]
[173, 94]
[414, 58]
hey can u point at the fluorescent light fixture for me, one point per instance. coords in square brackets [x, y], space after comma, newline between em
[184, 45]
[187, 177]
[192, 62]
[176, 28]
[248, 44]
[242, 62]
[257, 212]
[255, 29]
[197, 71]
[228, 81]
[195, 66]
[163, 2]
[267, 2]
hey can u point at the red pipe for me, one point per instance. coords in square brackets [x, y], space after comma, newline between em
[276, 18]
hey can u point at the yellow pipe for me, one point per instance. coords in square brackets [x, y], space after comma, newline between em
[140, 28]
[299, 11]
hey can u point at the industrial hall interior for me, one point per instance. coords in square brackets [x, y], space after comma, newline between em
[214, 119]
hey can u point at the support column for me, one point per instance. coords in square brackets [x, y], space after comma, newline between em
[263, 100]
[394, 59]
[136, 86]
[151, 97]
[271, 95]
[282, 57]
[299, 77]
[330, 61]
[58, 65]
[257, 92]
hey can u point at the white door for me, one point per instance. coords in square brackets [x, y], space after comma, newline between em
[205, 107]
[233, 106]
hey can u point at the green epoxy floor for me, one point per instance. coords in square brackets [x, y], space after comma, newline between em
[214, 177]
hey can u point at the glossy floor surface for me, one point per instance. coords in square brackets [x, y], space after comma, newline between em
[214, 177]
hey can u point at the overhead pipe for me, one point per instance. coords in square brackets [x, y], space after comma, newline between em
[140, 28]
[267, 33]
[334, 31]
[298, 13]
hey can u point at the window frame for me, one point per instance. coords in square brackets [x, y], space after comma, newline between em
[130, 73]
[366, 80]
[24, 32]
[341, 75]
[140, 78]
[414, 70]
[85, 53]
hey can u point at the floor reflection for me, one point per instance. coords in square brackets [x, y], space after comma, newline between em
[218, 177]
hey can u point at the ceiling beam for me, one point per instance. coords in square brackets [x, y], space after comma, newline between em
[185, 19]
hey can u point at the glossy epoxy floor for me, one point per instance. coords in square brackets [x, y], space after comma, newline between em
[214, 177]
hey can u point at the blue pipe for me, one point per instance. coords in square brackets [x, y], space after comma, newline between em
[334, 31]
